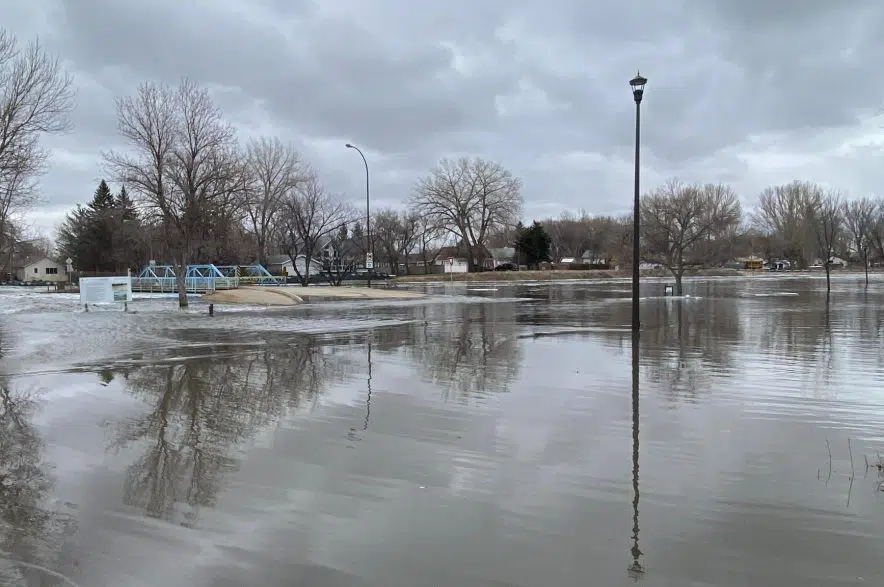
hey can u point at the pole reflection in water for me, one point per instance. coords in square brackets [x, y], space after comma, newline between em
[368, 399]
[353, 435]
[636, 569]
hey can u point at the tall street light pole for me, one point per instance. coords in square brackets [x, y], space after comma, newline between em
[638, 90]
[368, 252]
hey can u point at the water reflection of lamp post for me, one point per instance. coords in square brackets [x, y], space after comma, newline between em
[636, 569]
[368, 398]
[638, 90]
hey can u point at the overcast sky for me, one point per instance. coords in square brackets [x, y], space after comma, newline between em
[746, 92]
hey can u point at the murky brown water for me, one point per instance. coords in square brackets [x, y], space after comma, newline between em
[493, 438]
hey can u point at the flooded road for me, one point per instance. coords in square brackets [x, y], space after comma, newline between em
[486, 436]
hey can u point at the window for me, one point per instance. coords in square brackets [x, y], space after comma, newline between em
[36, 270]
[52, 271]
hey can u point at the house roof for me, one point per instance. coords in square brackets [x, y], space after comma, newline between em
[277, 259]
[503, 252]
[460, 251]
[33, 260]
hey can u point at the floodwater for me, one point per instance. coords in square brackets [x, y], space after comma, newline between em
[492, 435]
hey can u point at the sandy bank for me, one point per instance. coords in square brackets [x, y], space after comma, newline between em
[290, 296]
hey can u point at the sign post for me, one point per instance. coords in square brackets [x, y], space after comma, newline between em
[451, 268]
[369, 261]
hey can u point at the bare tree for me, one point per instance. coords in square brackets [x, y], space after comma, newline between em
[275, 169]
[36, 98]
[395, 234]
[676, 218]
[310, 215]
[470, 198]
[825, 222]
[182, 164]
[427, 237]
[348, 250]
[781, 214]
[568, 234]
[859, 220]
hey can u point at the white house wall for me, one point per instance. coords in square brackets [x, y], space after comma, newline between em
[37, 272]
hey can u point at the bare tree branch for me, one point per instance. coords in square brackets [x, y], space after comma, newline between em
[859, 220]
[36, 98]
[470, 198]
[309, 216]
[679, 222]
[275, 170]
[182, 165]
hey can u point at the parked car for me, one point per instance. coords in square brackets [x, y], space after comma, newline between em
[507, 267]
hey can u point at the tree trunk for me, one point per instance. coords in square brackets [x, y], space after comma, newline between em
[866, 267]
[828, 279]
[678, 273]
[181, 280]
[262, 251]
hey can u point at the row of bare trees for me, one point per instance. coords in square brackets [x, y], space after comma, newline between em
[692, 225]
[194, 183]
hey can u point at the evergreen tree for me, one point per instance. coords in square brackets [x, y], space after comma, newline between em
[533, 244]
[103, 198]
[126, 234]
[102, 236]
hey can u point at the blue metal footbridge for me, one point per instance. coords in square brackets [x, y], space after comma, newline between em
[202, 278]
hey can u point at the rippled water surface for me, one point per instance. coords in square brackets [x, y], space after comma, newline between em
[492, 435]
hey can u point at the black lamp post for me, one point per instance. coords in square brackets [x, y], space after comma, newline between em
[638, 90]
[367, 217]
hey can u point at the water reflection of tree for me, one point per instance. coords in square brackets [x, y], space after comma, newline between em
[202, 411]
[28, 532]
[467, 349]
[683, 342]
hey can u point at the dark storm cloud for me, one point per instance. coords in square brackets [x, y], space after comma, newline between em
[540, 86]
[329, 75]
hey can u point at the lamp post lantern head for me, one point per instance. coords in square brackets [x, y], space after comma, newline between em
[349, 146]
[638, 87]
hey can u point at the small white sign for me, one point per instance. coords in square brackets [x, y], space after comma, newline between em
[369, 261]
[451, 260]
[105, 290]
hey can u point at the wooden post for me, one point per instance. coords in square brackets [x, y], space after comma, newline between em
[211, 309]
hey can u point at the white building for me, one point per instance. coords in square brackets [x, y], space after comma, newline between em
[282, 265]
[42, 269]
[453, 265]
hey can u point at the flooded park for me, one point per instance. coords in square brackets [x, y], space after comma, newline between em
[493, 435]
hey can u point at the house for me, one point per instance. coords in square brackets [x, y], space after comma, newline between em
[460, 253]
[41, 269]
[282, 265]
[499, 256]
[834, 263]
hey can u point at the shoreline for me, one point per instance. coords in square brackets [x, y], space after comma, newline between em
[604, 274]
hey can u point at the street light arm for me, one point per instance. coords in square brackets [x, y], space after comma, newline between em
[367, 204]
[361, 154]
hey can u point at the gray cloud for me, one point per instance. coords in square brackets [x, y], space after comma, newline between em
[540, 86]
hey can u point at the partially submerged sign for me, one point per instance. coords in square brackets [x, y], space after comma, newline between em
[105, 290]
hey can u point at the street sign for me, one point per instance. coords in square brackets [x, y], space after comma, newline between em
[451, 260]
[369, 261]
